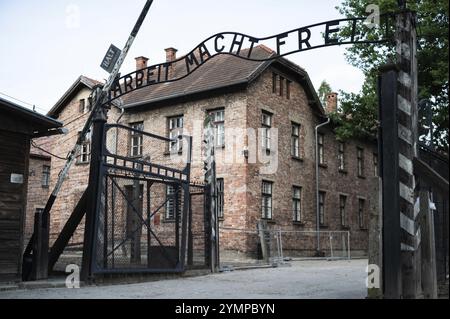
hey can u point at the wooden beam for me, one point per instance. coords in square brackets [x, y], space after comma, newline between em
[428, 249]
[425, 171]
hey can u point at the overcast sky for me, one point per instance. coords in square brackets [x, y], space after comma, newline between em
[46, 45]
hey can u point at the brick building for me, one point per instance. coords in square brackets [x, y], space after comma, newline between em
[266, 114]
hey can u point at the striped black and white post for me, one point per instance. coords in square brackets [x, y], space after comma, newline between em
[407, 116]
[210, 179]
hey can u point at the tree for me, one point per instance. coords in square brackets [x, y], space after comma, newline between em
[433, 23]
[323, 90]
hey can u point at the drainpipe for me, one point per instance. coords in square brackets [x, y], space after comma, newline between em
[317, 183]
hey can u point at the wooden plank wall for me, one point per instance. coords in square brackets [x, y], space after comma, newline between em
[14, 156]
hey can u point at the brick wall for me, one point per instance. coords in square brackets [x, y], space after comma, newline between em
[242, 176]
[301, 172]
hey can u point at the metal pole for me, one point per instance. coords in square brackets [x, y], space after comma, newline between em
[281, 246]
[331, 244]
[98, 103]
[348, 246]
[317, 184]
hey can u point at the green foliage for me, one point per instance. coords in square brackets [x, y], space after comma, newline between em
[432, 27]
[359, 113]
[323, 90]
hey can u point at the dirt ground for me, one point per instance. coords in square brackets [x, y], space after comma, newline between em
[338, 279]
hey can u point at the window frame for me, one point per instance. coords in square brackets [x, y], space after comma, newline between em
[281, 91]
[140, 138]
[217, 124]
[84, 156]
[343, 209]
[321, 148]
[288, 89]
[266, 210]
[361, 210]
[220, 185]
[175, 129]
[45, 181]
[297, 204]
[322, 207]
[375, 165]
[341, 156]
[266, 130]
[295, 139]
[274, 82]
[82, 106]
[360, 161]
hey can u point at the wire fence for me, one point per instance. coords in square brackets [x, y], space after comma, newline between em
[252, 247]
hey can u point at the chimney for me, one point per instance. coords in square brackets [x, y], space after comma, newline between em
[332, 99]
[141, 63]
[171, 55]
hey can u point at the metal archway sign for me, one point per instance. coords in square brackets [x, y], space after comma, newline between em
[319, 35]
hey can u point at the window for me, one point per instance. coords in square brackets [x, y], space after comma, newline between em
[85, 105]
[341, 156]
[85, 152]
[295, 140]
[172, 203]
[375, 164]
[322, 208]
[175, 130]
[342, 203]
[320, 148]
[360, 158]
[45, 176]
[220, 200]
[266, 206]
[136, 139]
[274, 82]
[38, 211]
[288, 89]
[89, 106]
[266, 125]
[297, 203]
[82, 105]
[361, 209]
[85, 149]
[281, 85]
[218, 117]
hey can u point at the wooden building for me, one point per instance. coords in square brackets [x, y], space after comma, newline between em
[18, 126]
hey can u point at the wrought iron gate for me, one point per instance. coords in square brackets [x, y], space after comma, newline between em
[145, 217]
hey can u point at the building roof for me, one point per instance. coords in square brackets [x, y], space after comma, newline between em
[220, 72]
[38, 123]
[82, 81]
